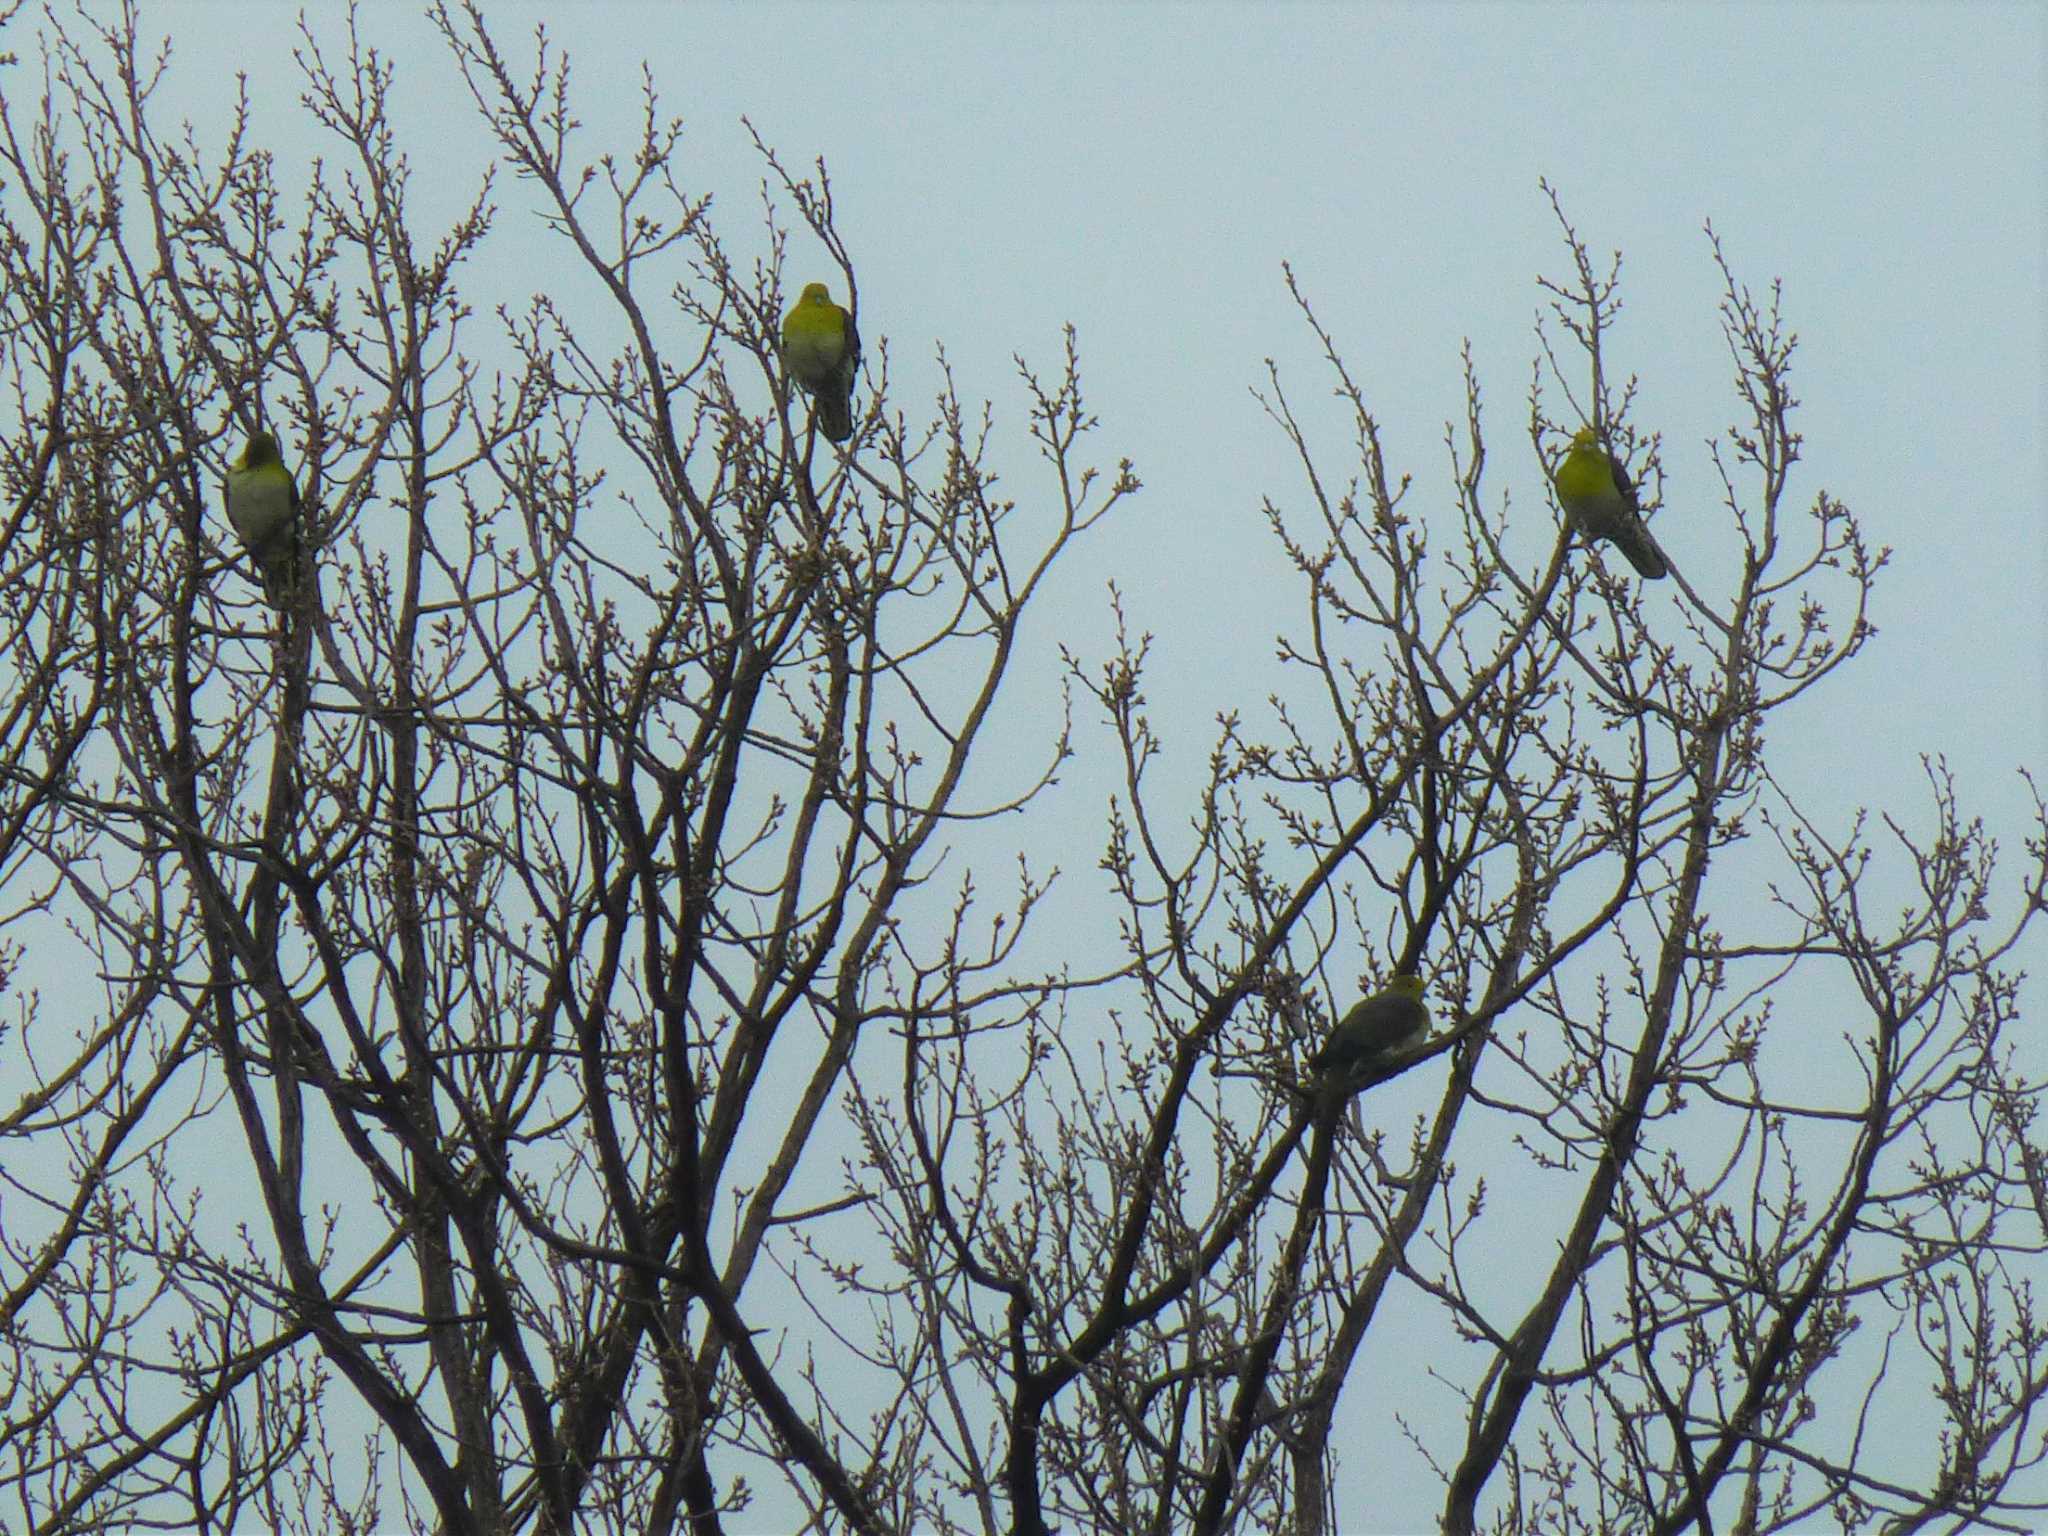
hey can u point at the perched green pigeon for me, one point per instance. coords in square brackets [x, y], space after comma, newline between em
[1392, 1018]
[263, 505]
[1600, 502]
[821, 350]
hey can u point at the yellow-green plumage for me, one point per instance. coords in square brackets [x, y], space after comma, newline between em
[263, 506]
[1392, 1019]
[821, 350]
[1599, 501]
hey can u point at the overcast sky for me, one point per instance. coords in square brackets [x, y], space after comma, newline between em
[1141, 172]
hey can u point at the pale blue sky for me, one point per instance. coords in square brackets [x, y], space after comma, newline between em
[1142, 171]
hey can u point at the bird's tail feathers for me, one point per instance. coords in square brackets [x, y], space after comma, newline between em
[278, 568]
[835, 415]
[1643, 553]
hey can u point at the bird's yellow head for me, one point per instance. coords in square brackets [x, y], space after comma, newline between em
[815, 294]
[1408, 984]
[261, 450]
[1585, 438]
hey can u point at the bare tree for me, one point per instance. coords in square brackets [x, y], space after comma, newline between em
[551, 1059]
